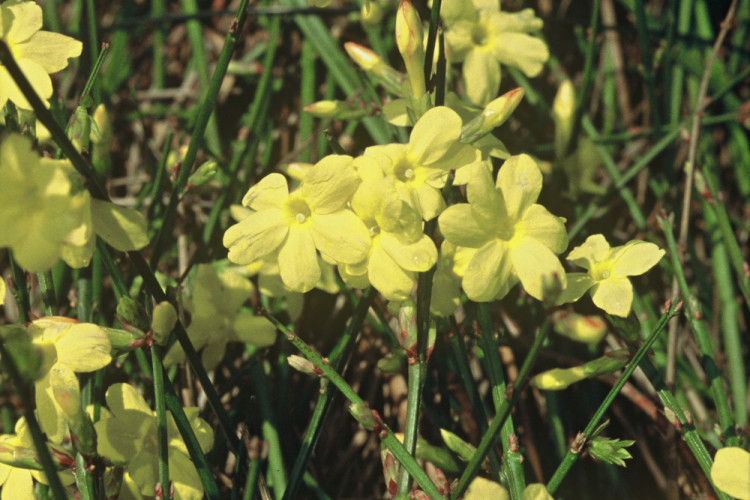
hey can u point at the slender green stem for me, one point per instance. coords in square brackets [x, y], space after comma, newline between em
[47, 287]
[161, 418]
[512, 457]
[338, 358]
[275, 473]
[574, 451]
[702, 338]
[386, 435]
[204, 113]
[729, 310]
[511, 396]
[431, 40]
[93, 77]
[93, 47]
[587, 81]
[158, 9]
[20, 288]
[641, 24]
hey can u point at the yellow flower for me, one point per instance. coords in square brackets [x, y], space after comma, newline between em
[126, 434]
[47, 213]
[38, 53]
[18, 482]
[516, 238]
[731, 472]
[217, 318]
[420, 168]
[399, 247]
[314, 217]
[482, 37]
[38, 211]
[481, 488]
[608, 271]
[68, 347]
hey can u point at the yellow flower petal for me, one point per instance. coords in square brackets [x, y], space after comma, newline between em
[298, 263]
[525, 52]
[37, 77]
[533, 263]
[459, 226]
[269, 192]
[488, 272]
[388, 277]
[330, 184]
[635, 257]
[418, 256]
[594, 249]
[614, 295]
[20, 20]
[256, 236]
[545, 228]
[84, 348]
[341, 236]
[481, 74]
[123, 228]
[50, 50]
[483, 489]
[520, 181]
[577, 285]
[730, 472]
[434, 134]
[254, 330]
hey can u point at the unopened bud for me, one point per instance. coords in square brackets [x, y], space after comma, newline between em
[409, 39]
[162, 322]
[558, 379]
[371, 15]
[499, 110]
[586, 329]
[202, 174]
[363, 415]
[301, 364]
[337, 110]
[563, 110]
[464, 450]
[365, 58]
[131, 314]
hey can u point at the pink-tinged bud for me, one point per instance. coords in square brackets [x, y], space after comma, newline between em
[365, 58]
[586, 329]
[409, 39]
[499, 110]
[301, 364]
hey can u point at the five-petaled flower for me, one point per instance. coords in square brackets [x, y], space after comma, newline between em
[314, 217]
[127, 435]
[516, 238]
[38, 53]
[608, 271]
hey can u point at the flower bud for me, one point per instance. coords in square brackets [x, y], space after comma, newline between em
[202, 175]
[365, 58]
[131, 314]
[563, 111]
[337, 110]
[301, 364]
[558, 379]
[101, 139]
[493, 115]
[464, 450]
[586, 329]
[409, 39]
[371, 15]
[162, 322]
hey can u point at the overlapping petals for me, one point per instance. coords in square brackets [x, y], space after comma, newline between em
[516, 239]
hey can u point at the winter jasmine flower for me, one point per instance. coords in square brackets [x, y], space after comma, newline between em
[608, 271]
[313, 218]
[514, 237]
[38, 53]
[419, 169]
[127, 435]
[217, 317]
[730, 472]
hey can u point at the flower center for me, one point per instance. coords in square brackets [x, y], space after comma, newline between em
[479, 34]
[601, 271]
[404, 170]
[296, 210]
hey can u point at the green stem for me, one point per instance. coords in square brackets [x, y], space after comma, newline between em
[387, 436]
[20, 288]
[574, 451]
[269, 426]
[338, 358]
[204, 113]
[158, 9]
[641, 24]
[161, 418]
[512, 458]
[510, 398]
[702, 337]
[47, 287]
